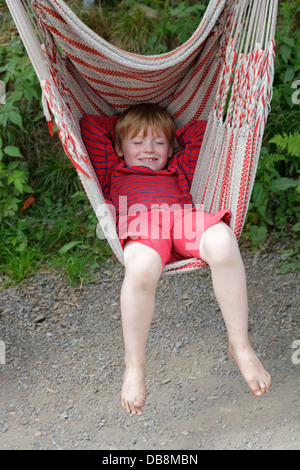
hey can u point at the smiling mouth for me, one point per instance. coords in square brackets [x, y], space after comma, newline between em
[148, 159]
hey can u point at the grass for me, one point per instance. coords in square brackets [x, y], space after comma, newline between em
[55, 234]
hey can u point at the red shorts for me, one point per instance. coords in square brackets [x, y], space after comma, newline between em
[173, 234]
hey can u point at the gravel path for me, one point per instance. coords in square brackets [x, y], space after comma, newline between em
[61, 382]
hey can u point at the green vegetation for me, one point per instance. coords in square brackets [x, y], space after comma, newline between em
[274, 208]
[46, 219]
[141, 26]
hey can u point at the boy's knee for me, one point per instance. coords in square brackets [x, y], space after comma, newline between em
[217, 243]
[142, 263]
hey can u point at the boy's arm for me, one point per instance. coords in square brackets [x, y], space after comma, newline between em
[98, 135]
[190, 138]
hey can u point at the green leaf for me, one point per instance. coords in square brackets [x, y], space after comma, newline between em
[15, 118]
[14, 97]
[22, 247]
[289, 75]
[179, 11]
[3, 117]
[13, 165]
[293, 266]
[19, 185]
[294, 144]
[12, 151]
[282, 184]
[258, 234]
[12, 206]
[289, 142]
[259, 194]
[27, 189]
[15, 175]
[79, 196]
[285, 52]
[68, 246]
[296, 227]
[288, 41]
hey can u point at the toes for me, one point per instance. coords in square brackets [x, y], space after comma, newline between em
[259, 389]
[268, 382]
[126, 406]
[132, 408]
[136, 407]
[139, 411]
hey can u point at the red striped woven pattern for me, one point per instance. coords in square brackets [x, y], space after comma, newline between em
[183, 80]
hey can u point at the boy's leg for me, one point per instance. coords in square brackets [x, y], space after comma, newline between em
[219, 248]
[143, 267]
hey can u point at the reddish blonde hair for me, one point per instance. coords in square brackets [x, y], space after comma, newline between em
[141, 117]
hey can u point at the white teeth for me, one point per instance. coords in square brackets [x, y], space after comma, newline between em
[148, 159]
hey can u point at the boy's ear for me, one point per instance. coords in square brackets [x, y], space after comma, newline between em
[118, 150]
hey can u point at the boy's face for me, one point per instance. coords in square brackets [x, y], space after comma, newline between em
[151, 150]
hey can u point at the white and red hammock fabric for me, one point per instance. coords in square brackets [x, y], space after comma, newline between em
[223, 74]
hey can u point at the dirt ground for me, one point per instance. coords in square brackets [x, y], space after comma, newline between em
[60, 385]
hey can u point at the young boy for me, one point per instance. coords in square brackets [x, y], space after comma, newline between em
[157, 222]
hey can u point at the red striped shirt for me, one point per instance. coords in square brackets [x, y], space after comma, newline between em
[139, 184]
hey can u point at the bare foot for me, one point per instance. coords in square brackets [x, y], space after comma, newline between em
[133, 395]
[255, 375]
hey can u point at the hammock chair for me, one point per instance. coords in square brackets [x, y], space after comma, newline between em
[222, 74]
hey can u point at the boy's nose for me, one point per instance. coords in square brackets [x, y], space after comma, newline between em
[148, 147]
